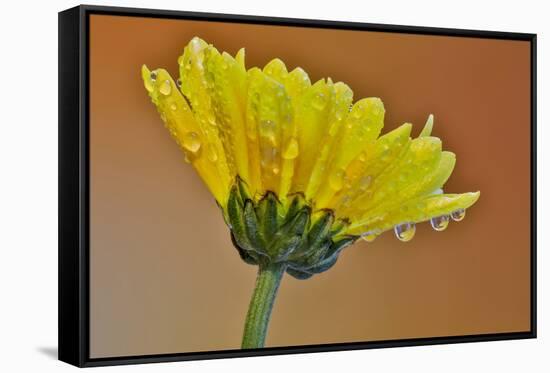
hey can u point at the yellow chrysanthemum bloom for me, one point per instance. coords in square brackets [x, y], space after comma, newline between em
[299, 170]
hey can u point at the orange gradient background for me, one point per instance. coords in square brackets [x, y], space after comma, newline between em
[165, 277]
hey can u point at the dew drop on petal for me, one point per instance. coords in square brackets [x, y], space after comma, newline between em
[149, 85]
[191, 142]
[211, 118]
[368, 237]
[292, 150]
[365, 182]
[440, 223]
[336, 180]
[405, 232]
[153, 76]
[458, 215]
[165, 88]
[319, 101]
[178, 83]
[211, 154]
[173, 107]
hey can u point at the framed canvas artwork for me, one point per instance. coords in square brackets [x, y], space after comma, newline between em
[234, 186]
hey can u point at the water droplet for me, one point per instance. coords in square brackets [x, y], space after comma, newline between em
[251, 132]
[440, 223]
[333, 129]
[292, 150]
[174, 107]
[267, 125]
[319, 101]
[153, 76]
[192, 142]
[149, 85]
[336, 180]
[458, 215]
[165, 88]
[178, 83]
[365, 182]
[211, 154]
[267, 130]
[405, 232]
[368, 236]
[211, 118]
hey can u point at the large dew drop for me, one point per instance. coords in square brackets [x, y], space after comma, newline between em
[211, 154]
[458, 215]
[192, 142]
[440, 223]
[368, 237]
[405, 232]
[336, 180]
[291, 150]
[165, 88]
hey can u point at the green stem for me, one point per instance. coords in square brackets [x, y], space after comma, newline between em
[261, 304]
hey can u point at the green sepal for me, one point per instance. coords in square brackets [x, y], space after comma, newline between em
[252, 226]
[298, 274]
[266, 232]
[290, 236]
[340, 245]
[268, 215]
[236, 219]
[247, 256]
[316, 238]
[298, 201]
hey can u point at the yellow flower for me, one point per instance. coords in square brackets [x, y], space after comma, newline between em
[270, 144]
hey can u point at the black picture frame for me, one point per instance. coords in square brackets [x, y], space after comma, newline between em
[74, 184]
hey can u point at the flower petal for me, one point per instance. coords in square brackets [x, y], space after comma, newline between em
[377, 158]
[311, 116]
[180, 122]
[226, 84]
[415, 211]
[427, 130]
[361, 128]
[340, 104]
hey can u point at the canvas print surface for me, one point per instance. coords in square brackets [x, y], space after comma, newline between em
[267, 186]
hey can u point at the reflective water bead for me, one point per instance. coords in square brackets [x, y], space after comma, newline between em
[173, 107]
[153, 76]
[440, 223]
[211, 154]
[149, 85]
[405, 232]
[365, 182]
[192, 142]
[165, 88]
[368, 237]
[458, 215]
[319, 101]
[292, 150]
[336, 180]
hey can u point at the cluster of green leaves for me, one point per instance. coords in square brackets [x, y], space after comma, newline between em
[266, 231]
